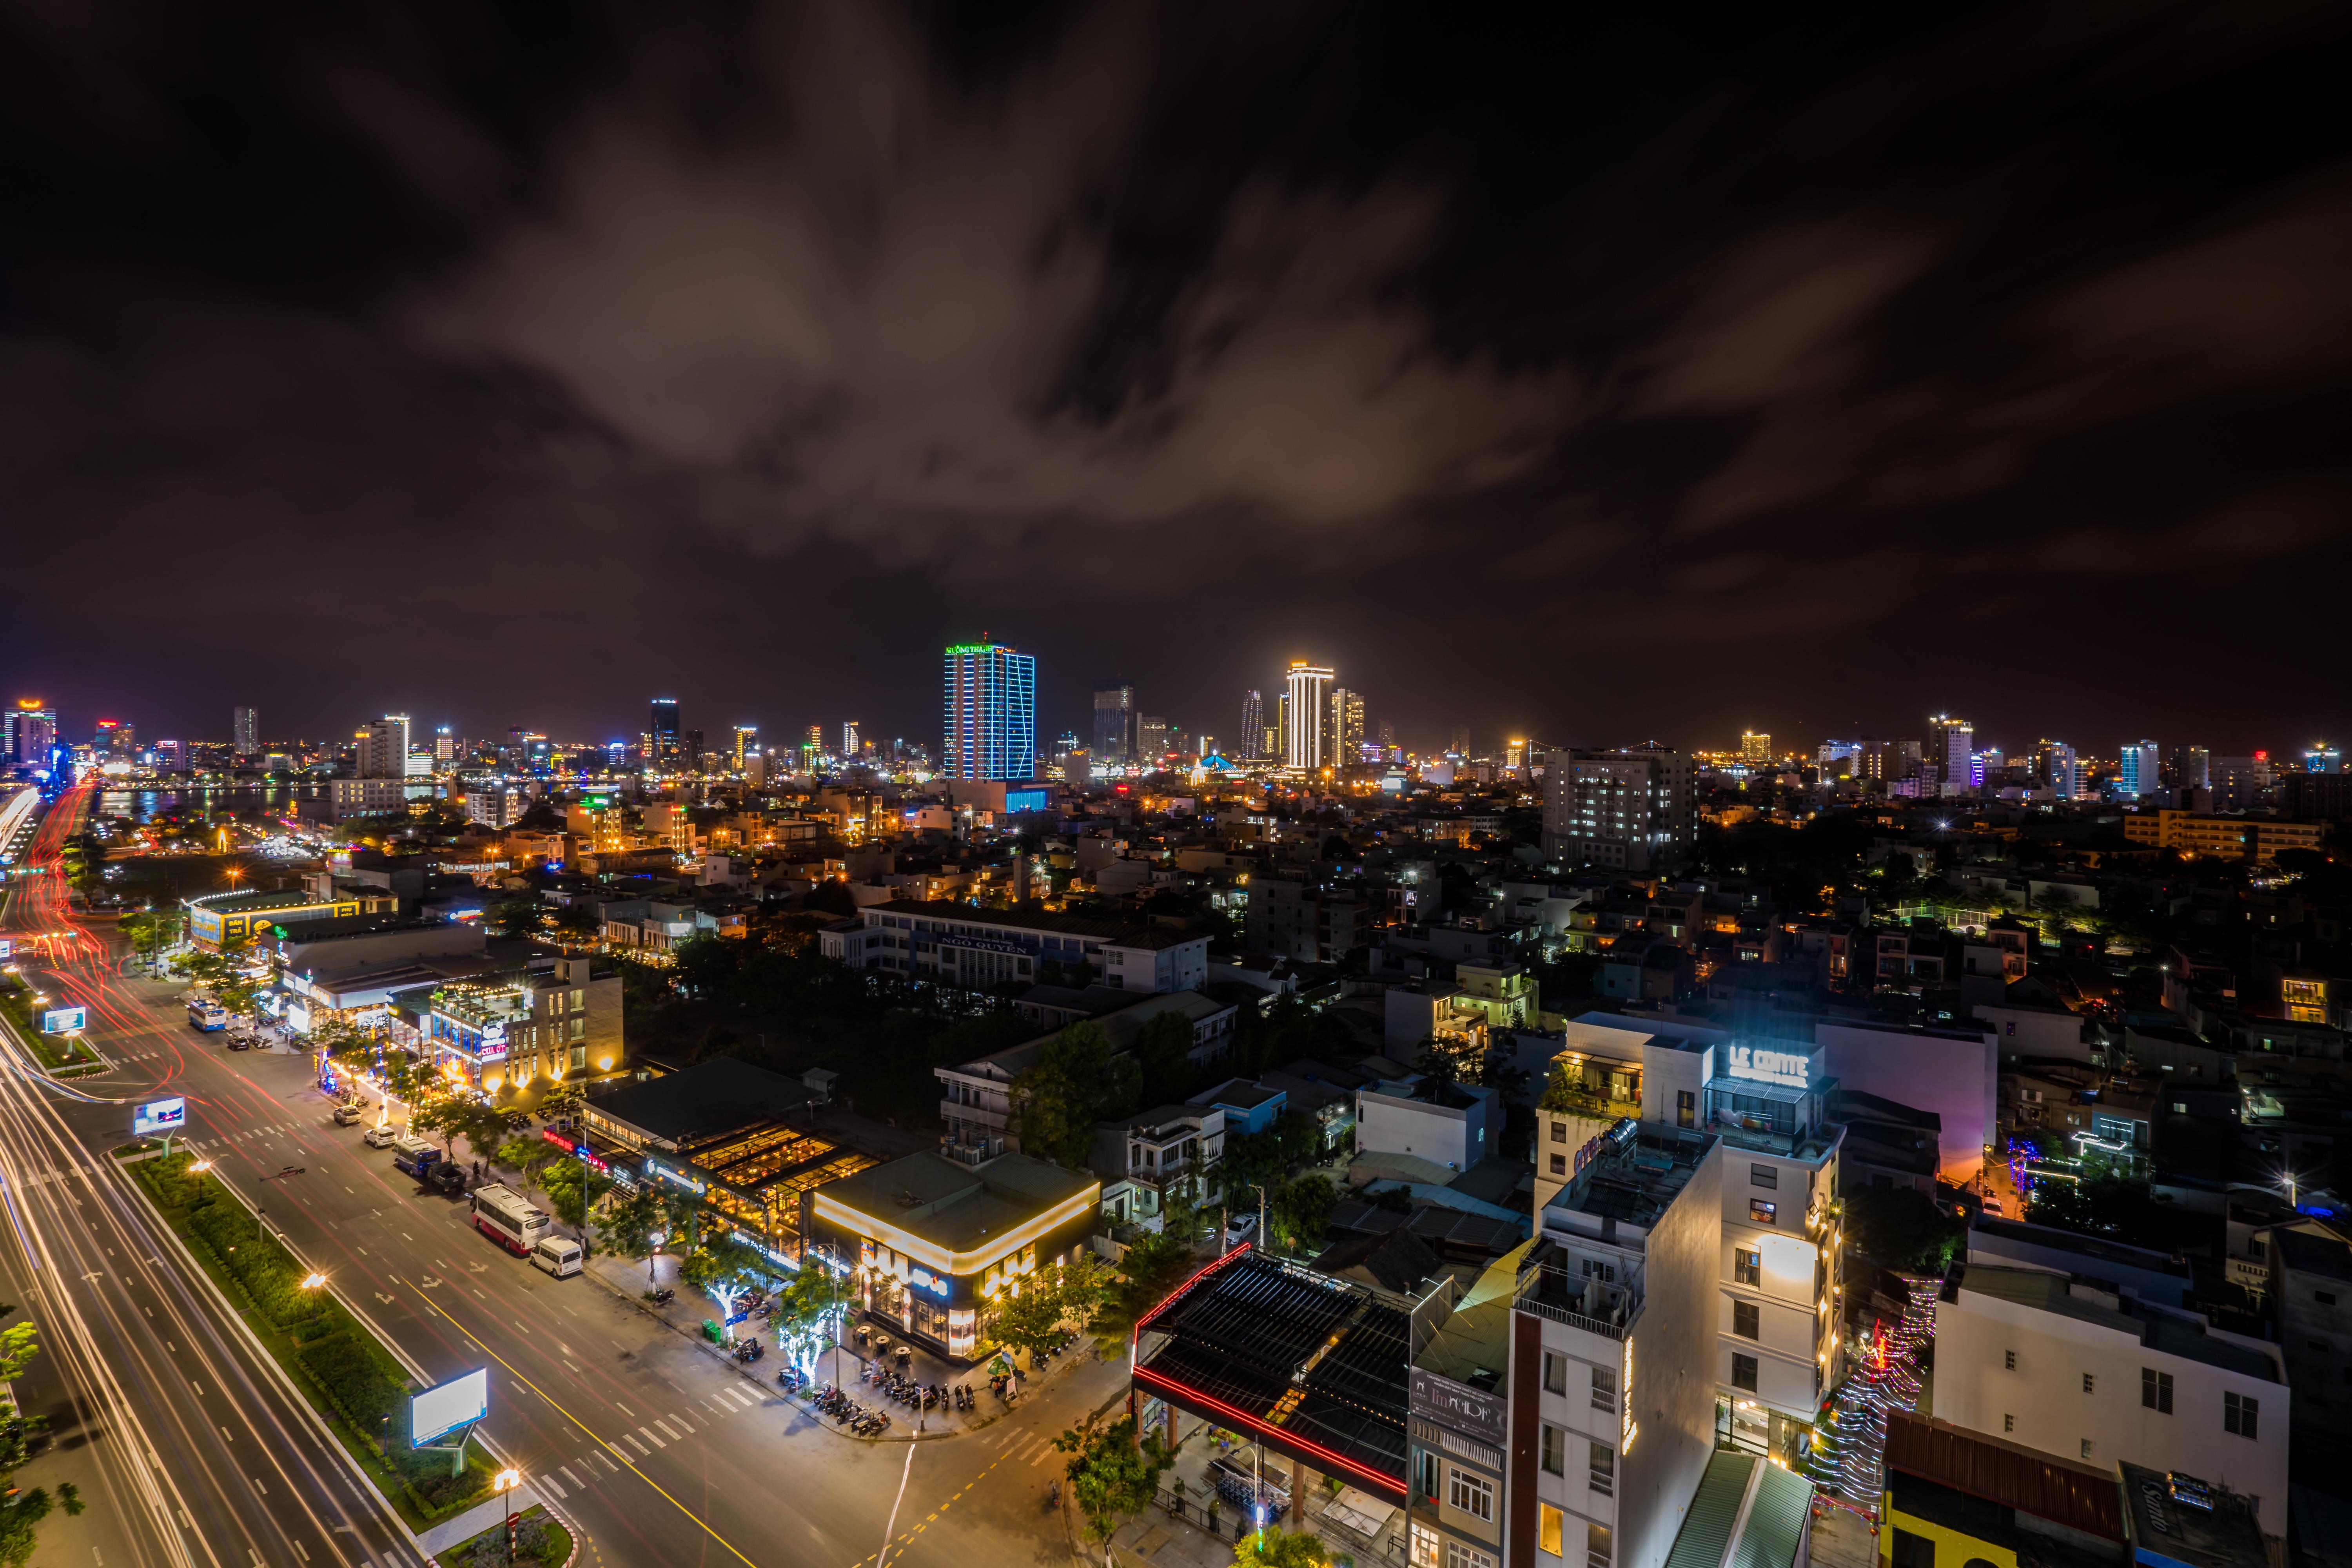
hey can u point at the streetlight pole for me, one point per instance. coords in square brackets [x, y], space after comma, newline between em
[262, 1181]
[505, 1484]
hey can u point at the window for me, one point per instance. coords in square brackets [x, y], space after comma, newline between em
[2086, 1447]
[1560, 1131]
[1747, 1320]
[2009, 1361]
[1548, 1528]
[2156, 1390]
[2324, 1298]
[1913, 1550]
[1762, 1213]
[2237, 1413]
[1605, 1272]
[1763, 1176]
[1555, 1451]
[2009, 1423]
[1602, 1473]
[1598, 1550]
[1559, 1165]
[1686, 1108]
[1473, 1495]
[1425, 1548]
[1460, 1556]
[1426, 1471]
[2090, 1382]
[1555, 1373]
[1748, 1265]
[1604, 1389]
[1743, 1373]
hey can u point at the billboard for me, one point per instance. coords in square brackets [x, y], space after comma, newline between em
[160, 1116]
[65, 1020]
[8, 947]
[440, 1410]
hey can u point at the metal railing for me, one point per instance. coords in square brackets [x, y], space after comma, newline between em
[1530, 1301]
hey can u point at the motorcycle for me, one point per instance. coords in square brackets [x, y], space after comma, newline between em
[664, 1296]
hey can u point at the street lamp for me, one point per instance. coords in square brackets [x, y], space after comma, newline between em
[264, 1181]
[505, 1483]
[312, 1285]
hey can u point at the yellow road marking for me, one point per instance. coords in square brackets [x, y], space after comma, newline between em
[585, 1427]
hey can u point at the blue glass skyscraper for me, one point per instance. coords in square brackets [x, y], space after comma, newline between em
[992, 714]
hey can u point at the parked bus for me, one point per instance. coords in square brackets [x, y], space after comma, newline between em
[206, 1014]
[503, 1213]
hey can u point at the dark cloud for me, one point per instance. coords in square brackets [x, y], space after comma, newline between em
[1578, 374]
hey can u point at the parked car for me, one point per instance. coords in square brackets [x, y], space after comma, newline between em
[446, 1177]
[348, 1115]
[557, 1254]
[379, 1136]
[240, 1042]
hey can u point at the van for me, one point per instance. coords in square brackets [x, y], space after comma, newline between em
[557, 1256]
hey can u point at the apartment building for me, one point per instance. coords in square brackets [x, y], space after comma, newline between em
[1630, 809]
[966, 945]
[2071, 1368]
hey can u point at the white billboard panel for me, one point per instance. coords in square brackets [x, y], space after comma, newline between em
[438, 1411]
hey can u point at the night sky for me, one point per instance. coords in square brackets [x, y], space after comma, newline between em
[1593, 372]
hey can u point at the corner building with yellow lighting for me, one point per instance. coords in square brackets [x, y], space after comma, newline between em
[926, 1242]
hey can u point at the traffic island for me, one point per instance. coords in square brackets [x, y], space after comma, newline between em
[541, 1541]
[329, 1356]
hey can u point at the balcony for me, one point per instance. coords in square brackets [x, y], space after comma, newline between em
[1547, 1293]
[969, 1110]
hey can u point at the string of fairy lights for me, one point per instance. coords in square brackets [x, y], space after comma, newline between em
[1849, 1454]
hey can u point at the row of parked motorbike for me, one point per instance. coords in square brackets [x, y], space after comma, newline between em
[918, 1395]
[848, 1412]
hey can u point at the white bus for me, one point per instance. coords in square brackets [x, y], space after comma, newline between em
[502, 1212]
[206, 1014]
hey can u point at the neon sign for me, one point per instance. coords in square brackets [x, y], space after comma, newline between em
[1770, 1067]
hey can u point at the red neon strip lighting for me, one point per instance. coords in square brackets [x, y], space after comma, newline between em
[1134, 1336]
[1242, 1419]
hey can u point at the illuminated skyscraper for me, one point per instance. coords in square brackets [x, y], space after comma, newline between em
[244, 730]
[1113, 721]
[661, 732]
[2135, 769]
[1252, 746]
[1950, 742]
[747, 744]
[1346, 725]
[990, 713]
[849, 746]
[32, 730]
[1307, 744]
[1755, 745]
[383, 748]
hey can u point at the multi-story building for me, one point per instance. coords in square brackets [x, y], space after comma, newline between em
[348, 798]
[2241, 783]
[2056, 769]
[1631, 809]
[663, 742]
[966, 945]
[1288, 917]
[990, 713]
[244, 731]
[1615, 1306]
[1951, 743]
[2255, 838]
[518, 1027]
[1253, 740]
[33, 731]
[747, 743]
[2072, 1368]
[1308, 745]
[382, 749]
[2138, 769]
[1150, 739]
[1113, 721]
[1346, 725]
[1756, 747]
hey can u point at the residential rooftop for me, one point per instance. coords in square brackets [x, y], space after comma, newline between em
[2158, 1328]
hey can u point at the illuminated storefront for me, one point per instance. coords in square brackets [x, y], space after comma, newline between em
[928, 1243]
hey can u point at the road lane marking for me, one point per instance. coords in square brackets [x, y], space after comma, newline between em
[674, 1434]
[549, 1483]
[681, 1421]
[651, 1436]
[565, 1471]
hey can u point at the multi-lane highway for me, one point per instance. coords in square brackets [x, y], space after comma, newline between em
[662, 1453]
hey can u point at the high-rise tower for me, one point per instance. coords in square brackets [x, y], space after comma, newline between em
[991, 720]
[1306, 740]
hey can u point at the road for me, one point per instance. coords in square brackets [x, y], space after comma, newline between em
[666, 1454]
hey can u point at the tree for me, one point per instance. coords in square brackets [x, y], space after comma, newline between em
[682, 1218]
[528, 1156]
[804, 1307]
[1030, 1317]
[1154, 1266]
[632, 1224]
[518, 916]
[1112, 1476]
[153, 932]
[1267, 1547]
[453, 1117]
[575, 1189]
[1077, 1080]
[1902, 1229]
[20, 1519]
[832, 898]
[723, 1269]
[18, 1345]
[21, 1513]
[1163, 1054]
[1301, 1210]
[578, 923]
[222, 974]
